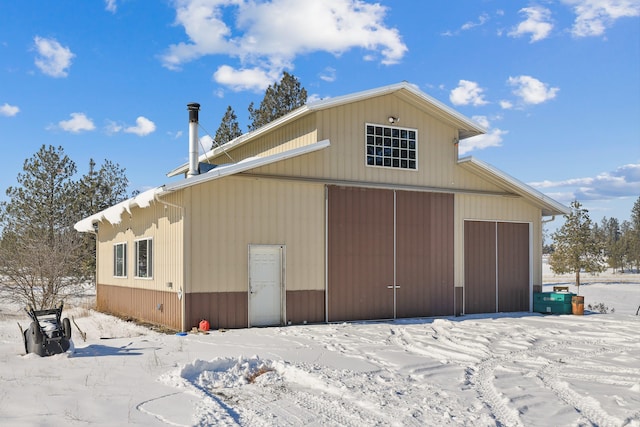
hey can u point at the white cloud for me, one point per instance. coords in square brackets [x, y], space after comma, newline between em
[53, 59]
[112, 127]
[623, 182]
[537, 23]
[328, 74]
[532, 90]
[110, 6]
[482, 19]
[143, 127]
[266, 36]
[467, 93]
[594, 16]
[8, 110]
[244, 79]
[493, 138]
[506, 105]
[78, 122]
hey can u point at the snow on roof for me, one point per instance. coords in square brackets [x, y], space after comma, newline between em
[114, 213]
[143, 200]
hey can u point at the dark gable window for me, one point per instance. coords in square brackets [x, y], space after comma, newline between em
[391, 147]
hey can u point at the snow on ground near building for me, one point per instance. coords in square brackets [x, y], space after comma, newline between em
[482, 370]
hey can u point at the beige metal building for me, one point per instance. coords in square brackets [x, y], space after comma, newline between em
[351, 208]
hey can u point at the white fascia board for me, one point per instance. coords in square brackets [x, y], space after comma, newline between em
[520, 187]
[385, 90]
[246, 164]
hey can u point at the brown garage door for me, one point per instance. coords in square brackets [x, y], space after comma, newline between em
[496, 267]
[513, 267]
[424, 228]
[362, 260]
[360, 254]
[479, 267]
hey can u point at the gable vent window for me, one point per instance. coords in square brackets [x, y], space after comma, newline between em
[391, 147]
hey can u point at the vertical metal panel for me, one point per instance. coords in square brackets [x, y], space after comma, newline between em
[424, 254]
[360, 254]
[513, 267]
[164, 224]
[293, 135]
[479, 267]
[229, 214]
[344, 126]
[305, 306]
[221, 309]
[156, 307]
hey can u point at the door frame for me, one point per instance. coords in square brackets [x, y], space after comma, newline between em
[283, 292]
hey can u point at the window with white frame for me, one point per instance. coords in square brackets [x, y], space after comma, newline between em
[120, 260]
[391, 147]
[144, 258]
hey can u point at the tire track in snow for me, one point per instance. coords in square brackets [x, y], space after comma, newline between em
[586, 405]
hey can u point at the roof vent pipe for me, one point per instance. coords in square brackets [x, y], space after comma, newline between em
[193, 108]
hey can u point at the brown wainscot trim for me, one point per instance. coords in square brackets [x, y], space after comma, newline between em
[305, 307]
[223, 310]
[155, 307]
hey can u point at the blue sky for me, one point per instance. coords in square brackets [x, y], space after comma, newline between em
[556, 83]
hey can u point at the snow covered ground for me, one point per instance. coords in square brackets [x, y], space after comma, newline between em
[518, 369]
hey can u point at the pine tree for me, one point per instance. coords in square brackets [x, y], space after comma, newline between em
[279, 99]
[611, 238]
[576, 247]
[40, 252]
[98, 190]
[634, 237]
[229, 128]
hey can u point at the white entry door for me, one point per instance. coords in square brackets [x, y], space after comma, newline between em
[265, 284]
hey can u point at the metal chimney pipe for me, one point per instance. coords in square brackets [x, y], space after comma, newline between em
[193, 108]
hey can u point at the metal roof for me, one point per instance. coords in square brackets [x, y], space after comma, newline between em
[143, 200]
[503, 180]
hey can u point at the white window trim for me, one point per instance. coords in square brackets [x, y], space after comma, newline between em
[135, 258]
[125, 260]
[391, 167]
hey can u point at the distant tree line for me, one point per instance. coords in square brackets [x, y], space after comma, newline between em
[42, 257]
[582, 245]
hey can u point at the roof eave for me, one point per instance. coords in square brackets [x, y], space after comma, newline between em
[548, 206]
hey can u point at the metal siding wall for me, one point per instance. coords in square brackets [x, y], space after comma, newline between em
[424, 254]
[513, 267]
[231, 213]
[360, 260]
[305, 307]
[296, 134]
[480, 267]
[138, 298]
[156, 307]
[344, 126]
[221, 309]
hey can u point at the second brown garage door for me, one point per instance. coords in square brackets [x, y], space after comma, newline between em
[496, 267]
